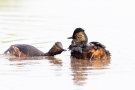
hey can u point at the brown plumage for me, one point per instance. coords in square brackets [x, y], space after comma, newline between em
[80, 49]
[57, 48]
[79, 35]
[98, 53]
[90, 52]
[24, 50]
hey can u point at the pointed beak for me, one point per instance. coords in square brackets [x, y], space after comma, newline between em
[70, 38]
[64, 49]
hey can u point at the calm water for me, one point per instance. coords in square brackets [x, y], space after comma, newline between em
[43, 22]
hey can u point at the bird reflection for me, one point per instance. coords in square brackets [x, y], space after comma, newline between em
[80, 69]
[55, 61]
[12, 58]
[51, 59]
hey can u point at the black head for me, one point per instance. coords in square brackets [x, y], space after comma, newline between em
[77, 30]
[57, 48]
[79, 35]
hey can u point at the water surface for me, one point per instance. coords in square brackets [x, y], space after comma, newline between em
[43, 22]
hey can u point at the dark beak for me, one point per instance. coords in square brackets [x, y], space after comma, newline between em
[70, 38]
[64, 50]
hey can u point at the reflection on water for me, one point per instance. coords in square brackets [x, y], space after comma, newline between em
[42, 22]
[24, 58]
[81, 69]
[55, 61]
[51, 59]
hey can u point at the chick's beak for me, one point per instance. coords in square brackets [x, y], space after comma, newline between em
[70, 38]
[64, 49]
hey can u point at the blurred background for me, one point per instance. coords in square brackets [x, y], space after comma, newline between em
[43, 22]
[40, 21]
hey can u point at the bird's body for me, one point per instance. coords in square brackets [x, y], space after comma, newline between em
[81, 49]
[24, 50]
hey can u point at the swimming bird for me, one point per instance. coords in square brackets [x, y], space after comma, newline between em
[81, 49]
[25, 50]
